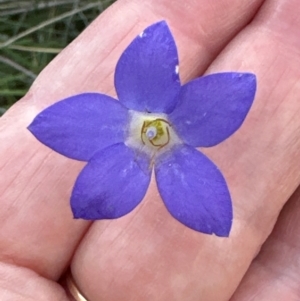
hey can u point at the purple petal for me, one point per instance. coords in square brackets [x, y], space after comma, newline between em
[146, 77]
[194, 190]
[213, 107]
[112, 184]
[81, 125]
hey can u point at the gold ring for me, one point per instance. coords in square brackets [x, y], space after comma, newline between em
[73, 289]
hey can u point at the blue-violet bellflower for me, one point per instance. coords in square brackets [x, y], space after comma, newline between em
[157, 122]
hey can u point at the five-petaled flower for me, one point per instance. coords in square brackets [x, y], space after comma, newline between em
[156, 122]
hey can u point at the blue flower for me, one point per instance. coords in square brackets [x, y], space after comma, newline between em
[156, 122]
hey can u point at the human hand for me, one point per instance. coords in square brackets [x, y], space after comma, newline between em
[147, 255]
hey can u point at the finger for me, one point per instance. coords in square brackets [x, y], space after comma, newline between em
[147, 255]
[25, 285]
[274, 274]
[37, 229]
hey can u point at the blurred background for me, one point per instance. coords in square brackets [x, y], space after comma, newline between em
[32, 33]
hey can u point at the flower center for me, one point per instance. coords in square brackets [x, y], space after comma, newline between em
[155, 133]
[150, 133]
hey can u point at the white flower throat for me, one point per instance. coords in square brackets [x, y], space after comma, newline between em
[151, 133]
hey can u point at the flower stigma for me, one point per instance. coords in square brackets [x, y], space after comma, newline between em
[151, 132]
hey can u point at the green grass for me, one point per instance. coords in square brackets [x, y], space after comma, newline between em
[32, 33]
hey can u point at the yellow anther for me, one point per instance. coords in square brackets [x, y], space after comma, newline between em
[155, 133]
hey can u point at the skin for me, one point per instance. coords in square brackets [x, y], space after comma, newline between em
[147, 255]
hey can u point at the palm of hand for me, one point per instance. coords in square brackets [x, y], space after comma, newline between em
[147, 255]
